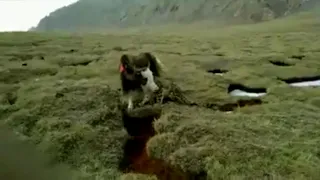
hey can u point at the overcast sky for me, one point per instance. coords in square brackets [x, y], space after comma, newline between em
[20, 15]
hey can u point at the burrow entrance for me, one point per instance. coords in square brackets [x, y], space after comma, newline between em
[308, 81]
[135, 159]
[241, 90]
[297, 56]
[279, 63]
[228, 107]
[219, 72]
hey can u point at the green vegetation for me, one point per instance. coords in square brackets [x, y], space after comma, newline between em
[21, 160]
[54, 97]
[96, 15]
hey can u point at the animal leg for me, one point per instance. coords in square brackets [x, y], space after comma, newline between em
[130, 103]
[128, 100]
[146, 98]
[163, 94]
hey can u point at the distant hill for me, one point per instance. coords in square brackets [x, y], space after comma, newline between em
[91, 14]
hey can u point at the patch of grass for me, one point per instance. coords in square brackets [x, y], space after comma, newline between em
[21, 160]
[70, 111]
[15, 72]
[74, 60]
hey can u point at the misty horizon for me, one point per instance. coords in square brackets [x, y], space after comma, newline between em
[21, 15]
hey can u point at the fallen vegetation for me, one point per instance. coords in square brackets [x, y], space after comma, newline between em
[66, 100]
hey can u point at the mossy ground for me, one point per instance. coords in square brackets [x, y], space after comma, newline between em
[61, 91]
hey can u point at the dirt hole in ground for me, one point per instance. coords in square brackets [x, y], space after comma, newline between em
[241, 90]
[219, 72]
[83, 63]
[227, 107]
[307, 81]
[279, 63]
[297, 56]
[239, 104]
[73, 50]
[139, 125]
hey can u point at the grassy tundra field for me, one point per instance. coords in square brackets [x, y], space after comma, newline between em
[61, 91]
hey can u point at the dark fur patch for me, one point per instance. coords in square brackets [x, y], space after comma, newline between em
[141, 62]
[129, 85]
[154, 66]
[132, 80]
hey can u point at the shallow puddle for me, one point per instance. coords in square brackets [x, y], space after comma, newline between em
[241, 90]
[238, 92]
[306, 83]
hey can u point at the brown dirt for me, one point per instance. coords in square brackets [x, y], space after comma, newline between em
[136, 158]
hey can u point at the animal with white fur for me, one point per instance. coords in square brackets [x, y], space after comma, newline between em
[138, 73]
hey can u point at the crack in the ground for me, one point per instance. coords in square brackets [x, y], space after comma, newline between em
[139, 125]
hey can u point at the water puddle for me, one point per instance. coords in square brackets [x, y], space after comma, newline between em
[241, 90]
[306, 83]
[312, 81]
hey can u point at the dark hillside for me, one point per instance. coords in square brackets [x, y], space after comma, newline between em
[94, 14]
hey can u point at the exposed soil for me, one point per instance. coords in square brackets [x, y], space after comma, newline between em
[138, 124]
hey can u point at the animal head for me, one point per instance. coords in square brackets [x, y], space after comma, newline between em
[142, 68]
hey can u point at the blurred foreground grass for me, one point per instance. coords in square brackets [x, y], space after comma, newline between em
[60, 92]
[20, 160]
